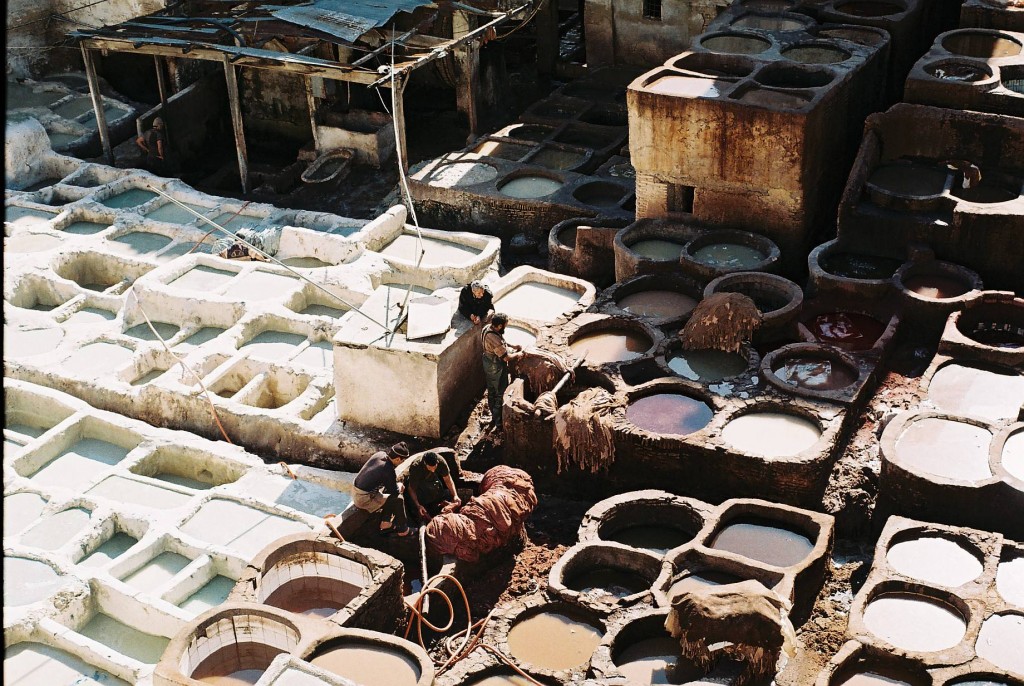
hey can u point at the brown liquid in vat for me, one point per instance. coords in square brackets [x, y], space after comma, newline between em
[816, 373]
[935, 286]
[369, 666]
[606, 346]
[658, 303]
[763, 540]
[313, 595]
[669, 413]
[847, 330]
[551, 640]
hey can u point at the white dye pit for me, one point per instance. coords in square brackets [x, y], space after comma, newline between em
[434, 252]
[79, 464]
[245, 530]
[57, 529]
[771, 434]
[537, 302]
[1010, 580]
[914, 622]
[32, 664]
[976, 392]
[945, 448]
[934, 559]
[157, 572]
[27, 581]
[1000, 641]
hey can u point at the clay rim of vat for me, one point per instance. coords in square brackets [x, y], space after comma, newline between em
[855, 657]
[610, 297]
[674, 386]
[773, 360]
[778, 286]
[793, 405]
[612, 324]
[335, 637]
[675, 345]
[764, 245]
[817, 258]
[628, 629]
[524, 609]
[913, 531]
[816, 527]
[625, 515]
[609, 509]
[988, 79]
[695, 558]
[604, 554]
[895, 429]
[967, 278]
[1005, 313]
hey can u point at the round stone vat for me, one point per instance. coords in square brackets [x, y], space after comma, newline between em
[772, 22]
[642, 651]
[1000, 641]
[862, 35]
[981, 43]
[934, 558]
[504, 676]
[654, 521]
[669, 408]
[942, 447]
[312, 578]
[695, 568]
[28, 581]
[553, 638]
[870, 8]
[834, 269]
[922, 620]
[714, 253]
[230, 646]
[529, 186]
[600, 194]
[369, 658]
[762, 539]
[612, 341]
[993, 325]
[855, 666]
[783, 75]
[770, 432]
[960, 71]
[778, 299]
[811, 370]
[930, 291]
[579, 247]
[708, 366]
[816, 53]
[650, 247]
[987, 391]
[847, 329]
[909, 185]
[735, 43]
[604, 576]
[981, 679]
[716, 65]
[659, 299]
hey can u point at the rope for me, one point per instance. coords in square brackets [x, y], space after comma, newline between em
[207, 234]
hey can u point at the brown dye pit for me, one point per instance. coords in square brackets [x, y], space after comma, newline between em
[854, 266]
[551, 640]
[502, 680]
[707, 577]
[659, 539]
[935, 286]
[847, 330]
[816, 373]
[313, 595]
[915, 180]
[759, 96]
[607, 346]
[369, 665]
[237, 664]
[608, 583]
[243, 677]
[707, 365]
[669, 413]
[656, 303]
[656, 661]
[998, 337]
[763, 540]
[984, 193]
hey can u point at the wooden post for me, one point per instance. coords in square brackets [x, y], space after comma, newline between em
[399, 114]
[547, 37]
[311, 100]
[161, 83]
[97, 105]
[467, 60]
[236, 123]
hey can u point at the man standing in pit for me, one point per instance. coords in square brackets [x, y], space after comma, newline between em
[376, 489]
[476, 302]
[154, 143]
[495, 359]
[428, 481]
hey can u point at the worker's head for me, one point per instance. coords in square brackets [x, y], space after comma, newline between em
[499, 321]
[399, 451]
[158, 123]
[430, 460]
[477, 289]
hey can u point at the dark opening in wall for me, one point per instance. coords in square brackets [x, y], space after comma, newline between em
[680, 198]
[652, 9]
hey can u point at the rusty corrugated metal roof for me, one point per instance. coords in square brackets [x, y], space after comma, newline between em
[346, 19]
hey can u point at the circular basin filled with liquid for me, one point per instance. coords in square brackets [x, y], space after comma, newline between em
[369, 663]
[674, 414]
[600, 194]
[735, 43]
[959, 71]
[851, 331]
[810, 368]
[915, 622]
[769, 541]
[653, 524]
[28, 581]
[859, 266]
[771, 434]
[934, 559]
[1010, 578]
[993, 325]
[783, 75]
[503, 676]
[239, 657]
[935, 281]
[714, 253]
[554, 638]
[986, 391]
[982, 44]
[604, 574]
[893, 183]
[706, 366]
[458, 174]
[866, 673]
[610, 345]
[657, 304]
[657, 249]
[529, 186]
[1012, 460]
[945, 448]
[815, 53]
[778, 299]
[1000, 641]
[771, 22]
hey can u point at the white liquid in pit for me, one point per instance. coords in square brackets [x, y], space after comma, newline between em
[157, 571]
[1013, 455]
[1010, 581]
[245, 530]
[934, 560]
[97, 359]
[20, 510]
[304, 496]
[527, 187]
[319, 355]
[27, 342]
[33, 664]
[273, 345]
[536, 302]
[771, 434]
[517, 335]
[89, 316]
[80, 464]
[212, 594]
[1000, 641]
[31, 242]
[145, 648]
[435, 252]
[202, 278]
[685, 86]
[54, 531]
[261, 286]
[204, 335]
[974, 392]
[112, 548]
[174, 214]
[27, 581]
[122, 490]
[949, 449]
[913, 622]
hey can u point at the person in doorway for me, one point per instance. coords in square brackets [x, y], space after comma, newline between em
[376, 489]
[429, 482]
[154, 144]
[476, 302]
[496, 356]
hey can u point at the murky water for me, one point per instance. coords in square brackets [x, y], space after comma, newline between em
[934, 559]
[551, 640]
[62, 141]
[856, 266]
[173, 214]
[878, 677]
[935, 287]
[261, 285]
[998, 336]
[273, 345]
[656, 661]
[233, 222]
[323, 311]
[27, 581]
[729, 256]
[158, 571]
[305, 263]
[123, 490]
[97, 359]
[609, 346]
[21, 95]
[658, 539]
[73, 108]
[847, 330]
[129, 198]
[913, 179]
[658, 303]
[706, 577]
[20, 510]
[369, 666]
[313, 595]
[914, 622]
[985, 193]
[763, 540]
[950, 449]
[112, 548]
[816, 373]
[762, 96]
[186, 481]
[148, 377]
[211, 594]
[460, 174]
[27, 218]
[202, 278]
[145, 648]
[536, 302]
[139, 243]
[976, 392]
[53, 531]
[304, 496]
[1010, 580]
[771, 434]
[552, 158]
[528, 187]
[84, 228]
[669, 413]
[245, 530]
[203, 335]
[1000, 641]
[657, 249]
[33, 664]
[143, 331]
[435, 252]
[706, 365]
[79, 464]
[607, 584]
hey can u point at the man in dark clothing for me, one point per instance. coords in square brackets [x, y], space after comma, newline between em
[377, 475]
[495, 359]
[476, 302]
[428, 481]
[154, 144]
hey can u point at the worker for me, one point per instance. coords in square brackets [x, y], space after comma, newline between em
[476, 302]
[496, 356]
[376, 489]
[154, 143]
[427, 481]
